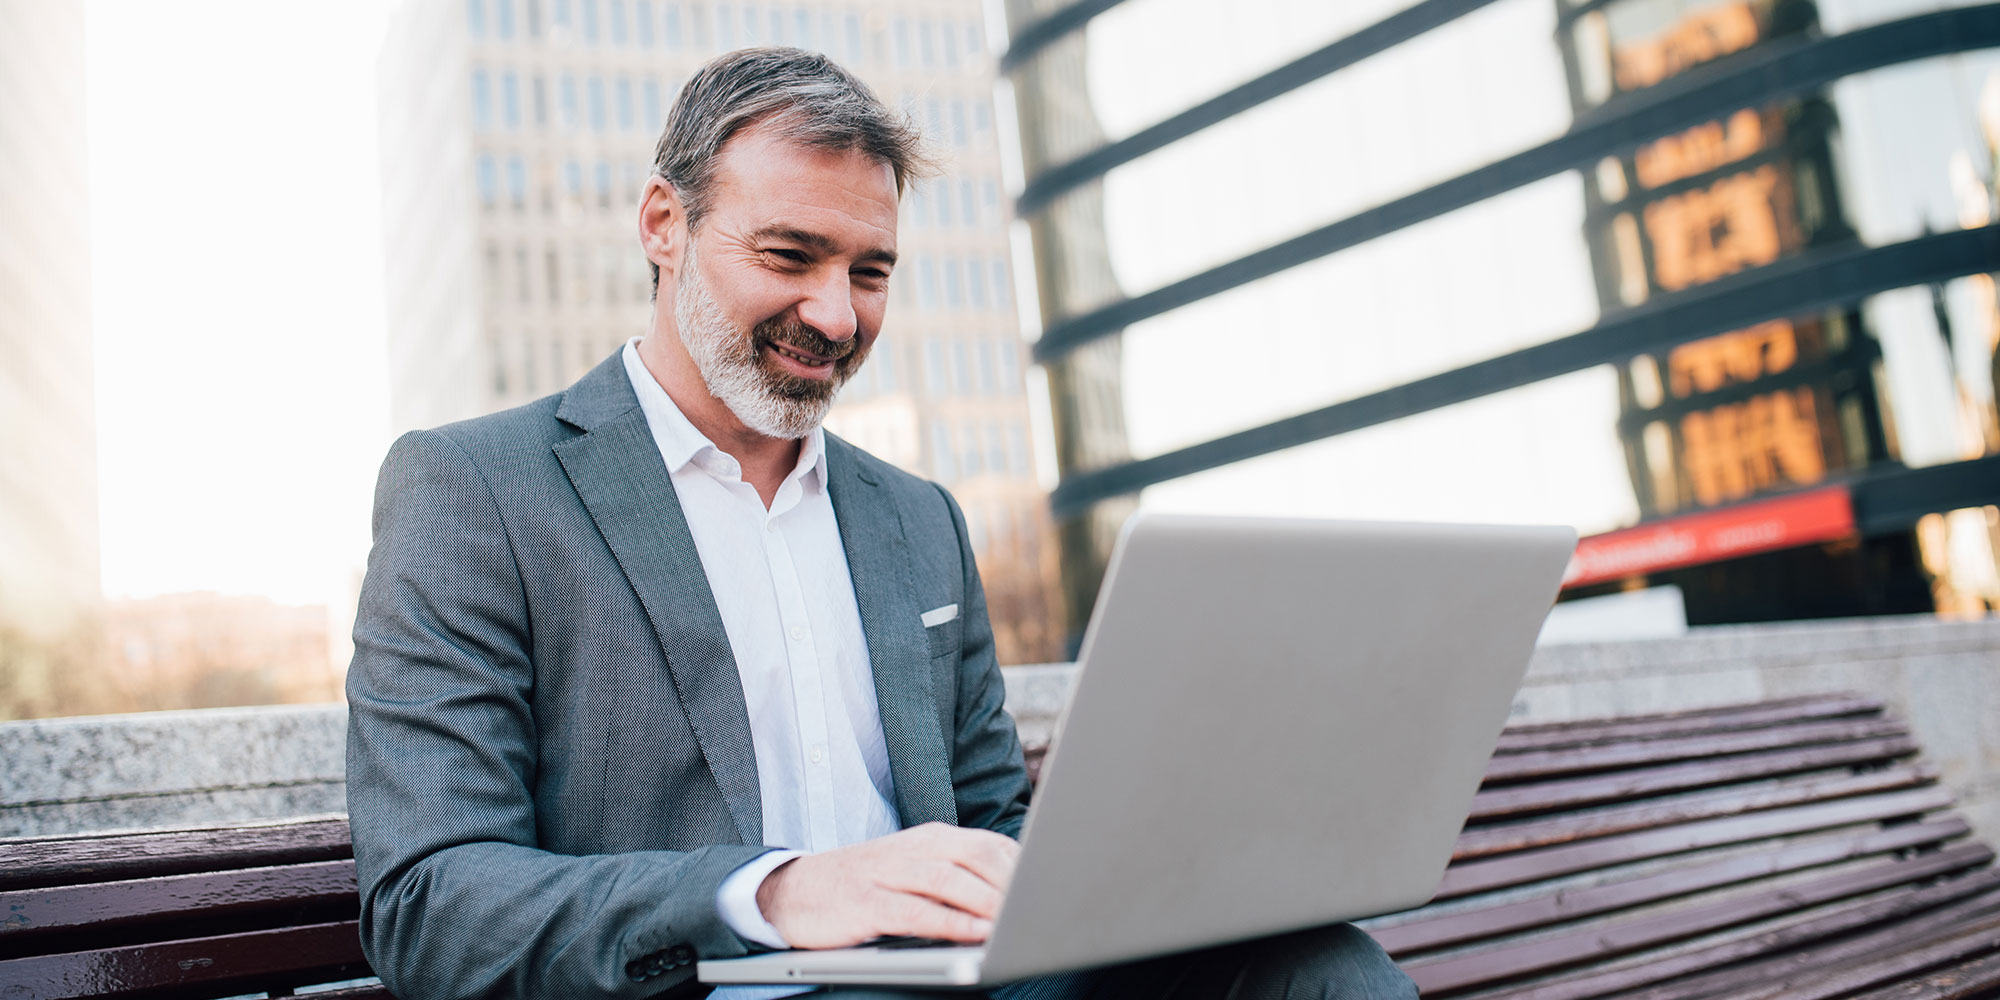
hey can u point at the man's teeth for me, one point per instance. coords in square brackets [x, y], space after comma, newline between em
[802, 359]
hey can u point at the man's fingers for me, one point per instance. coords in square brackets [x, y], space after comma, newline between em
[946, 883]
[916, 916]
[984, 853]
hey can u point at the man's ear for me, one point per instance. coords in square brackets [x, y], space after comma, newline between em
[663, 231]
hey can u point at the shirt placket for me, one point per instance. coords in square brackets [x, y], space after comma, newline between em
[808, 688]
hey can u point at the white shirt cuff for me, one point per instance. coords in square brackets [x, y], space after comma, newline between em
[736, 899]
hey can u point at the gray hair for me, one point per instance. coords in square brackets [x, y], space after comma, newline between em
[805, 96]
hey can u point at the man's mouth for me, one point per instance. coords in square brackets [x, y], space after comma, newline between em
[802, 357]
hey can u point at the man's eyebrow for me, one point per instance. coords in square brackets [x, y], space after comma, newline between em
[818, 241]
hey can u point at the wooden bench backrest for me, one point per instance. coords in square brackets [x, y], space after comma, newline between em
[1785, 849]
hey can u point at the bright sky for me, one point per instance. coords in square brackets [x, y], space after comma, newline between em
[237, 293]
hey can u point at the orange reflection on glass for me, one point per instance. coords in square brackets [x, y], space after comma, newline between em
[1743, 356]
[1767, 441]
[1702, 36]
[1699, 149]
[1739, 222]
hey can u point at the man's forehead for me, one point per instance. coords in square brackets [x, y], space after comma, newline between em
[771, 185]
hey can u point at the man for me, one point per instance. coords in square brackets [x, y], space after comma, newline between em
[617, 645]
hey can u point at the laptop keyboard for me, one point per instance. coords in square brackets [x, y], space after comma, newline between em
[912, 942]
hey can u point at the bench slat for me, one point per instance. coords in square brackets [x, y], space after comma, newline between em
[1458, 972]
[1959, 982]
[1571, 904]
[43, 861]
[1508, 800]
[1956, 899]
[313, 953]
[32, 912]
[1575, 760]
[1802, 702]
[1882, 967]
[1491, 840]
[1515, 740]
[1485, 874]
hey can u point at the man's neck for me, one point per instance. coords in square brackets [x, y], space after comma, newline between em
[765, 461]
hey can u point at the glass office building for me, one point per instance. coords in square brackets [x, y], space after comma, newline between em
[1708, 279]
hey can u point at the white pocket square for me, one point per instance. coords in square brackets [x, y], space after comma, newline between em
[938, 616]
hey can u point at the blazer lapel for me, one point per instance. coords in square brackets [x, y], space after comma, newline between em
[616, 469]
[878, 560]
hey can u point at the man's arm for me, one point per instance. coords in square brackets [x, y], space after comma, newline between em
[457, 900]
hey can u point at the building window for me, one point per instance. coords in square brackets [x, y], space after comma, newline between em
[623, 90]
[510, 99]
[927, 281]
[954, 283]
[948, 41]
[673, 26]
[554, 274]
[961, 368]
[521, 286]
[851, 24]
[725, 26]
[503, 20]
[651, 95]
[617, 21]
[475, 18]
[533, 9]
[573, 179]
[926, 44]
[595, 91]
[489, 180]
[982, 117]
[1002, 291]
[976, 278]
[958, 131]
[642, 19]
[942, 204]
[560, 9]
[968, 209]
[989, 368]
[942, 466]
[990, 192]
[1010, 368]
[517, 183]
[937, 380]
[482, 100]
[802, 33]
[884, 363]
[590, 20]
[900, 30]
[540, 91]
[970, 455]
[752, 25]
[1017, 452]
[996, 449]
[603, 184]
[569, 114]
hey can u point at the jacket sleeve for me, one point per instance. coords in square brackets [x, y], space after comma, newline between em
[457, 900]
[988, 776]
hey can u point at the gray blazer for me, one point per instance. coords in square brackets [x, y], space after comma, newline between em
[549, 762]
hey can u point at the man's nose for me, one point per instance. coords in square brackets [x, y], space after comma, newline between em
[829, 306]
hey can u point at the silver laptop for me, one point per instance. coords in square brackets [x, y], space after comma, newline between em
[1276, 724]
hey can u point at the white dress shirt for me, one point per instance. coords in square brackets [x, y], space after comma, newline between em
[782, 585]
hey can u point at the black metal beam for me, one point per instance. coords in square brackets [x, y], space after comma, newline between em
[1781, 69]
[1038, 35]
[1387, 33]
[1885, 502]
[1807, 283]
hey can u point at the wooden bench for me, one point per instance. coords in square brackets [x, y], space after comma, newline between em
[1788, 849]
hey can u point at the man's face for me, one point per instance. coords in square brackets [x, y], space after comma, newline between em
[781, 290]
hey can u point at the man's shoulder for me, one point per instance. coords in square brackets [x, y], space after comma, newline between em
[903, 483]
[531, 427]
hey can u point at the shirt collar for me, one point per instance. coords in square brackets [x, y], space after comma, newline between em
[682, 444]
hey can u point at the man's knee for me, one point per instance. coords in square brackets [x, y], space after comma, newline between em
[1336, 962]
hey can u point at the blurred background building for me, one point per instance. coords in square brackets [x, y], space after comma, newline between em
[1709, 279]
[517, 137]
[49, 593]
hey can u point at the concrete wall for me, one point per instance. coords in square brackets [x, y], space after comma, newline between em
[168, 769]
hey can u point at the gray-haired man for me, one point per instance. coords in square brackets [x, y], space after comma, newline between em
[655, 669]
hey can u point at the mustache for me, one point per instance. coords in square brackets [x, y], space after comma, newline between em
[799, 336]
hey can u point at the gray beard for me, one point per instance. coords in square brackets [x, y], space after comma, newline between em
[727, 360]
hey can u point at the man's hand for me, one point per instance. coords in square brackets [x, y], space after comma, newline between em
[932, 881]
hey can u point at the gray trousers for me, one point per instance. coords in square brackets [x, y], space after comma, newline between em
[1336, 962]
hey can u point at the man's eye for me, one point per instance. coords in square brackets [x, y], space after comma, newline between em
[789, 256]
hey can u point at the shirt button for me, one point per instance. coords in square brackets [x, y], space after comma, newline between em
[770, 525]
[798, 633]
[818, 754]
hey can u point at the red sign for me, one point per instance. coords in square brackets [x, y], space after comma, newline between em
[1821, 515]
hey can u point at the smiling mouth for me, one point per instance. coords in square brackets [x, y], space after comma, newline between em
[799, 356]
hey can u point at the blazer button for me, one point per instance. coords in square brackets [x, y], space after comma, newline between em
[681, 953]
[634, 972]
